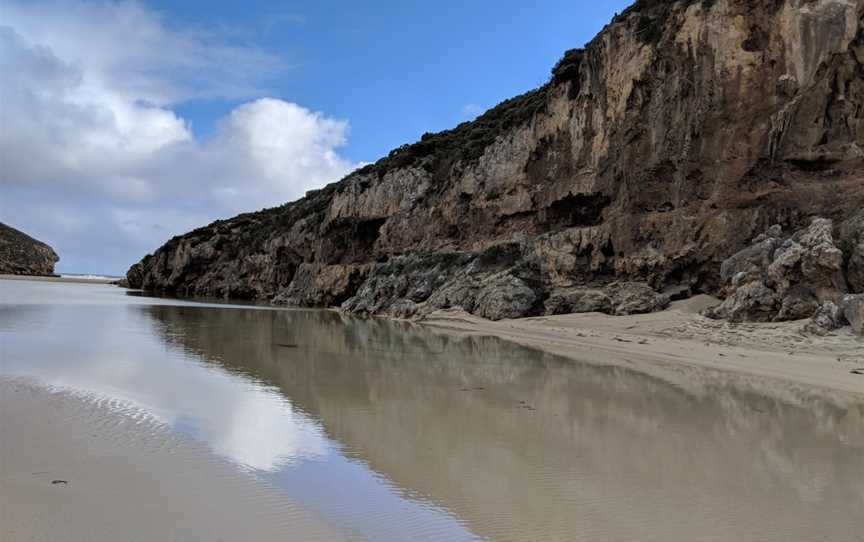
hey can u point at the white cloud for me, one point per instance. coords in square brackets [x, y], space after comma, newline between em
[89, 131]
[471, 111]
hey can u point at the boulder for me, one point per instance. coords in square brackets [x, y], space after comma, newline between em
[635, 298]
[853, 310]
[852, 244]
[505, 296]
[809, 258]
[797, 303]
[779, 279]
[753, 302]
[828, 317]
[578, 300]
[750, 263]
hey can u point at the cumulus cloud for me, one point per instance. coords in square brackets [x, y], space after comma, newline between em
[93, 157]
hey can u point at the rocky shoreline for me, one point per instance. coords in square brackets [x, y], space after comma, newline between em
[792, 277]
[647, 169]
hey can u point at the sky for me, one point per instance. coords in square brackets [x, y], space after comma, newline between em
[123, 124]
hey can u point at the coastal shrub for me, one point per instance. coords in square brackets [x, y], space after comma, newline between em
[465, 142]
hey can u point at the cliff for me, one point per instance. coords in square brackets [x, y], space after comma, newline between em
[678, 134]
[20, 254]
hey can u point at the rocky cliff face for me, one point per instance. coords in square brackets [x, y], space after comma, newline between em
[20, 254]
[678, 134]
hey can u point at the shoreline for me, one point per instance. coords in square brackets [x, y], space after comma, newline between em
[681, 346]
[69, 280]
[90, 467]
[677, 344]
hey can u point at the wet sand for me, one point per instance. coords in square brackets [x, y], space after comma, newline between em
[99, 471]
[682, 346]
[401, 431]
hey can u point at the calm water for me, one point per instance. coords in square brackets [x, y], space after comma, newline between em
[396, 432]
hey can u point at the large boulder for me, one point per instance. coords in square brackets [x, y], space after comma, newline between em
[577, 300]
[753, 302]
[853, 310]
[505, 296]
[852, 244]
[750, 263]
[810, 259]
[781, 278]
[828, 317]
[635, 298]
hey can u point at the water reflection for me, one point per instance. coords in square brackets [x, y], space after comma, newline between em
[529, 446]
[397, 432]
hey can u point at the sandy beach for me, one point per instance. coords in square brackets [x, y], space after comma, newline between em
[100, 471]
[680, 345]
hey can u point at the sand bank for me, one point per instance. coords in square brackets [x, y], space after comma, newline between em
[77, 469]
[679, 344]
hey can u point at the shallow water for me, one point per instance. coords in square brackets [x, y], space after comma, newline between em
[391, 431]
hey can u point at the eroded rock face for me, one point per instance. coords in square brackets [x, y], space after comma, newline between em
[652, 155]
[20, 254]
[322, 286]
[778, 279]
[503, 281]
[500, 282]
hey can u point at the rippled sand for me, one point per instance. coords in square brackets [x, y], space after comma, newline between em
[76, 469]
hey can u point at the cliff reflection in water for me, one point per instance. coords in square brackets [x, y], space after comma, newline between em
[523, 445]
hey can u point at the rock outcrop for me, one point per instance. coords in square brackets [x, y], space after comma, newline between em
[780, 278]
[803, 275]
[852, 243]
[679, 133]
[20, 254]
[853, 311]
[828, 317]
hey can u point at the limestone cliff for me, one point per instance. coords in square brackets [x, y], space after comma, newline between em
[20, 254]
[679, 133]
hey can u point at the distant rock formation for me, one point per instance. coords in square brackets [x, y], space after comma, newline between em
[20, 254]
[675, 137]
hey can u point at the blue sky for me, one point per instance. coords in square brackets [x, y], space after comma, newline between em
[128, 122]
[396, 69]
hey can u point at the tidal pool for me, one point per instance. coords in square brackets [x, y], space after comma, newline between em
[392, 431]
